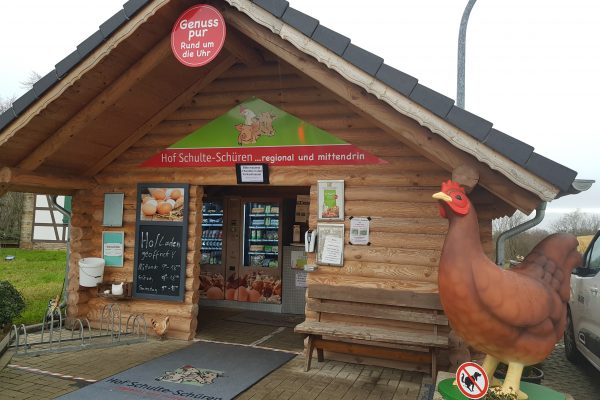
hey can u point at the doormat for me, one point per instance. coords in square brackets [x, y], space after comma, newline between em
[203, 370]
[267, 318]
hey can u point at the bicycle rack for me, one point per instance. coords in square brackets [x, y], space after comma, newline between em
[51, 334]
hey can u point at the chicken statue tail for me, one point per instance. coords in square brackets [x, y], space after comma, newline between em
[558, 256]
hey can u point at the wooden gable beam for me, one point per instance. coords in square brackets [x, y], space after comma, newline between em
[382, 115]
[467, 176]
[221, 64]
[98, 105]
[240, 48]
[20, 180]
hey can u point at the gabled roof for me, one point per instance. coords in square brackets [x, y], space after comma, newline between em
[466, 131]
[442, 106]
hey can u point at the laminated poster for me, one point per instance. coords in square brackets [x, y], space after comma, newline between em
[359, 230]
[330, 244]
[302, 208]
[301, 279]
[332, 250]
[112, 248]
[331, 200]
[298, 259]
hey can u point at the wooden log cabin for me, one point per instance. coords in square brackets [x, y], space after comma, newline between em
[90, 127]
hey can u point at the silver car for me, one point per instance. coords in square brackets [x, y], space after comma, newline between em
[582, 333]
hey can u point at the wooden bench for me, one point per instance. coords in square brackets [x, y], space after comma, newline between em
[399, 325]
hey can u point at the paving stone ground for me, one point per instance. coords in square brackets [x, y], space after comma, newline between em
[580, 381]
[330, 380]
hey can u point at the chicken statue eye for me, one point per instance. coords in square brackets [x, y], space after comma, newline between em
[460, 203]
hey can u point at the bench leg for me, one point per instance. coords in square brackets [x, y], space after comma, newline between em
[434, 364]
[310, 346]
[320, 355]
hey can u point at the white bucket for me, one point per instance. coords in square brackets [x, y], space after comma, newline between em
[91, 270]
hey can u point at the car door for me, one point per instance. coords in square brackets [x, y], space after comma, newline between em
[586, 315]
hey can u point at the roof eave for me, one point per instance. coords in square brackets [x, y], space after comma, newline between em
[400, 102]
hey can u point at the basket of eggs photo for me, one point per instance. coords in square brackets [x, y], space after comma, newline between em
[162, 204]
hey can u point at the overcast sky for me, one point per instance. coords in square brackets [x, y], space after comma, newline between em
[532, 66]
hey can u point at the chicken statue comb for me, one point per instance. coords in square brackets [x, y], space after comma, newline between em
[451, 185]
[454, 196]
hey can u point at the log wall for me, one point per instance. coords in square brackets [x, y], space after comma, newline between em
[86, 241]
[26, 240]
[406, 231]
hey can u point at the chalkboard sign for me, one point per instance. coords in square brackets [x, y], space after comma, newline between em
[161, 242]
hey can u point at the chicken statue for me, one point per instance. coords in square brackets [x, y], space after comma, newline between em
[160, 327]
[514, 316]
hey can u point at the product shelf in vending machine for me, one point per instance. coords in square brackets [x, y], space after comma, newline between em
[262, 250]
[212, 282]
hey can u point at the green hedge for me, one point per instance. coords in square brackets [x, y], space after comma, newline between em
[11, 303]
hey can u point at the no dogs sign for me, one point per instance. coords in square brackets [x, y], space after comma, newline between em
[198, 35]
[472, 380]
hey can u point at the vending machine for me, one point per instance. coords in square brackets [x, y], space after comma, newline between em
[241, 254]
[260, 271]
[212, 268]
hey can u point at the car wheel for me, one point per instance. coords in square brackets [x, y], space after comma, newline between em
[571, 351]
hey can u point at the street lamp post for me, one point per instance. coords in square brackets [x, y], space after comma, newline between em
[462, 41]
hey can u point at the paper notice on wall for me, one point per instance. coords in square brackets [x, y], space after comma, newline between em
[301, 279]
[359, 230]
[332, 250]
[113, 249]
[298, 259]
[302, 207]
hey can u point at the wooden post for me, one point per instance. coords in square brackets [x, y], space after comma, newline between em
[310, 346]
[467, 176]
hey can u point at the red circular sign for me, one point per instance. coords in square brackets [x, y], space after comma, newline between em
[198, 35]
[472, 380]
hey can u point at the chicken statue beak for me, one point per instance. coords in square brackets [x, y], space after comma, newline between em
[443, 197]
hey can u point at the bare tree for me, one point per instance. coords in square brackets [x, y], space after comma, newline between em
[31, 80]
[577, 223]
[11, 210]
[5, 104]
[11, 204]
[520, 245]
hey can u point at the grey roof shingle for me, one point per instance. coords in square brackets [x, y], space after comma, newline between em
[440, 105]
[20, 104]
[113, 23]
[45, 83]
[275, 7]
[514, 149]
[65, 65]
[331, 39]
[130, 8]
[435, 102]
[133, 6]
[551, 171]
[88, 45]
[300, 21]
[470, 123]
[363, 59]
[7, 117]
[398, 80]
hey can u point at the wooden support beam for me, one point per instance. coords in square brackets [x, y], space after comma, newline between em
[383, 115]
[467, 176]
[98, 105]
[221, 64]
[241, 48]
[372, 351]
[17, 179]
